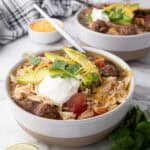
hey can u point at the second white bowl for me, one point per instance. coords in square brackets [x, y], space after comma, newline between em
[112, 43]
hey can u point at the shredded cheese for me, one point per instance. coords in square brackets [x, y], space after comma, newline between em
[42, 26]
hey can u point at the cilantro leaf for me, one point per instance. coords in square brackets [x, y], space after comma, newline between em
[119, 133]
[139, 140]
[115, 146]
[144, 128]
[124, 143]
[63, 70]
[116, 15]
[73, 68]
[58, 64]
[34, 61]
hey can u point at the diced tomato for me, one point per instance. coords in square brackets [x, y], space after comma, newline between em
[99, 110]
[77, 103]
[99, 62]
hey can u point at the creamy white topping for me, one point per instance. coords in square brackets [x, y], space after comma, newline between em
[59, 90]
[99, 14]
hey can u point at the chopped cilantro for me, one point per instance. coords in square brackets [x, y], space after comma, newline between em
[62, 69]
[115, 15]
[73, 68]
[58, 64]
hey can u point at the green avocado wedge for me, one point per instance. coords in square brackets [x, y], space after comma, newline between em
[54, 57]
[134, 6]
[33, 77]
[22, 147]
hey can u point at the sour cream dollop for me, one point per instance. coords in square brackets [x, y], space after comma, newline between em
[99, 14]
[59, 90]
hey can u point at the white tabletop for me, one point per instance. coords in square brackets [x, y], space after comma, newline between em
[10, 132]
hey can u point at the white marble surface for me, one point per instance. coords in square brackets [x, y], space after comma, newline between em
[10, 132]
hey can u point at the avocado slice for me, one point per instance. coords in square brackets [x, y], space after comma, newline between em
[54, 57]
[113, 7]
[129, 10]
[133, 7]
[33, 77]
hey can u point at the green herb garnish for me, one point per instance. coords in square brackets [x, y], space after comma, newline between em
[133, 133]
[73, 68]
[58, 64]
[62, 69]
[121, 13]
[115, 15]
[34, 61]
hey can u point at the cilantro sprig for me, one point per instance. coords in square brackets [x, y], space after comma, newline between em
[58, 64]
[73, 68]
[62, 69]
[133, 133]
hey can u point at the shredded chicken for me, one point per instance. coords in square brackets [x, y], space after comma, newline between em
[86, 114]
[67, 115]
[112, 92]
[22, 91]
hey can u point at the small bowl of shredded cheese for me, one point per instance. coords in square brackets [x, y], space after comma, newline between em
[41, 31]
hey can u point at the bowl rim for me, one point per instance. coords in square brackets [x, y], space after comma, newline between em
[40, 32]
[106, 35]
[91, 49]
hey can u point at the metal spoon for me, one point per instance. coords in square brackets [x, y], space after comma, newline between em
[59, 29]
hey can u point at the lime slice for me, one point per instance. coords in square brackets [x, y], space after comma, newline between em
[22, 147]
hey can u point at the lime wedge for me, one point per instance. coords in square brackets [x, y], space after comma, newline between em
[22, 147]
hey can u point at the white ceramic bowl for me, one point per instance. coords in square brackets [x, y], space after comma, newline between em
[74, 132]
[44, 37]
[112, 42]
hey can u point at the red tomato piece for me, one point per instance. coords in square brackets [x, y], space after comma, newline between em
[99, 110]
[77, 103]
[99, 62]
